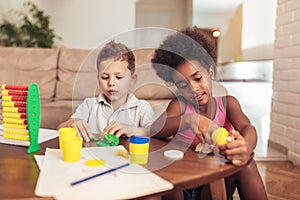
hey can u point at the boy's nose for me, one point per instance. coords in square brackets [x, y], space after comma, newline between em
[112, 81]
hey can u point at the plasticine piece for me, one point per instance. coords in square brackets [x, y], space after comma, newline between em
[122, 153]
[94, 139]
[102, 144]
[219, 136]
[109, 140]
[95, 163]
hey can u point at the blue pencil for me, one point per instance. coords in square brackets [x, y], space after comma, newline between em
[100, 174]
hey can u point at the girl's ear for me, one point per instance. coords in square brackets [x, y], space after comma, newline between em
[212, 72]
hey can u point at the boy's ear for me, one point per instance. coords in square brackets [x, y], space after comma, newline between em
[133, 78]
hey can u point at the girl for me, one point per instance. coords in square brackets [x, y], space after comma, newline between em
[182, 60]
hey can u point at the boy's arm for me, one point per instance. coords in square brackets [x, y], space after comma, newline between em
[81, 125]
[78, 120]
[143, 122]
[118, 129]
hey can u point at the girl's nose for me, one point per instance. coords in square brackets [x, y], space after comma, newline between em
[194, 86]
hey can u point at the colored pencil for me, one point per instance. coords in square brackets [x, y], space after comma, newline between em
[100, 174]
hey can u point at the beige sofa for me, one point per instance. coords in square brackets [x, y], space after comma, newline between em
[66, 76]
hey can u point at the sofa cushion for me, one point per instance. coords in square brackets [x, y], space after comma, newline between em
[77, 74]
[149, 85]
[55, 112]
[23, 66]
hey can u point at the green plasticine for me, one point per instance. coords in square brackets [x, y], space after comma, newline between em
[102, 144]
[109, 140]
[94, 139]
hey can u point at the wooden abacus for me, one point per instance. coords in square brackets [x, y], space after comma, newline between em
[21, 114]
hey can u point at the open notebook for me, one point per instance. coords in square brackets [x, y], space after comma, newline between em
[125, 183]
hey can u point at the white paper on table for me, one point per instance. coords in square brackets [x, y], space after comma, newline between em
[125, 183]
[39, 160]
[44, 135]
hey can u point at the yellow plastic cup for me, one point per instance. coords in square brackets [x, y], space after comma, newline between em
[65, 133]
[139, 149]
[72, 149]
[219, 136]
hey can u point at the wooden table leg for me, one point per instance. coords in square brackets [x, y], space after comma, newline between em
[218, 189]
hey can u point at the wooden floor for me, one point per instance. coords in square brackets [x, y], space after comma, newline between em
[281, 179]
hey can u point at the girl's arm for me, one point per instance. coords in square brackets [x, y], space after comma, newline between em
[172, 121]
[241, 122]
[168, 122]
[241, 142]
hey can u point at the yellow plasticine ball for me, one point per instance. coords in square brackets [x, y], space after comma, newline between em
[219, 136]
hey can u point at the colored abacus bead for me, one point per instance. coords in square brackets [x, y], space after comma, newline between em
[21, 114]
[14, 115]
[13, 98]
[14, 87]
[14, 121]
[14, 110]
[16, 131]
[13, 104]
[16, 137]
[15, 126]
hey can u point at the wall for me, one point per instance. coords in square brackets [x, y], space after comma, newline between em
[172, 14]
[258, 29]
[231, 39]
[228, 19]
[285, 114]
[84, 24]
[167, 14]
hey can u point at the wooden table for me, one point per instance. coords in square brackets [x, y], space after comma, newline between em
[19, 172]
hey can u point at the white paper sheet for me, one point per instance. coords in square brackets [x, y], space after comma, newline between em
[44, 135]
[39, 160]
[126, 183]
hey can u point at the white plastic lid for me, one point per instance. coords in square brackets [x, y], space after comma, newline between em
[173, 154]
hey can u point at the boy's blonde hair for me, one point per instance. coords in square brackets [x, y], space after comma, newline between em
[117, 51]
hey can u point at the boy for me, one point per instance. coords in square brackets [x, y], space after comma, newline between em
[115, 110]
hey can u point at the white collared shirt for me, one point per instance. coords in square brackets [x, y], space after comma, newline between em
[99, 113]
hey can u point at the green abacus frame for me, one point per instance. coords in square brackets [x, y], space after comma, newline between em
[33, 113]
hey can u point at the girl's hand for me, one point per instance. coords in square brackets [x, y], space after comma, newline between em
[117, 129]
[236, 149]
[200, 125]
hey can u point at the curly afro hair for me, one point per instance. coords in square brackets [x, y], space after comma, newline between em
[185, 45]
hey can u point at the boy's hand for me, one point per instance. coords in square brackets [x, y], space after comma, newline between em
[81, 126]
[236, 149]
[117, 129]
